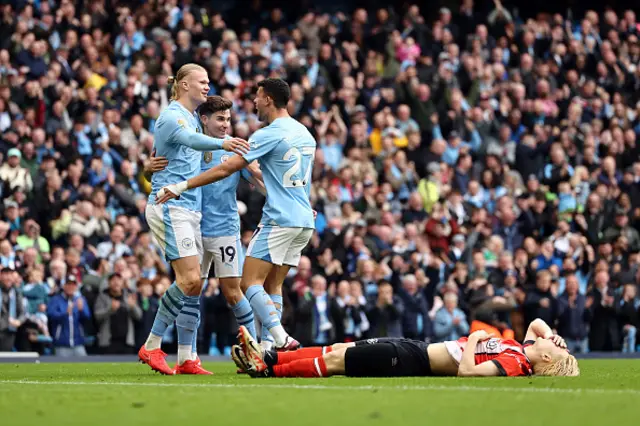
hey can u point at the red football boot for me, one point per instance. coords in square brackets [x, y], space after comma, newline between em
[156, 359]
[191, 367]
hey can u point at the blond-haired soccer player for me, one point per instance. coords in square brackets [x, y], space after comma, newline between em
[176, 225]
[542, 353]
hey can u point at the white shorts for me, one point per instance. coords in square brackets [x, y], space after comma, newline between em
[226, 254]
[176, 230]
[280, 246]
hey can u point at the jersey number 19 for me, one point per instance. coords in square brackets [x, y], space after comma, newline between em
[304, 159]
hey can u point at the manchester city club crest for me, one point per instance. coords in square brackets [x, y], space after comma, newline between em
[224, 158]
[208, 156]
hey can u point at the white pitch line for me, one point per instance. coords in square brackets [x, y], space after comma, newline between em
[463, 388]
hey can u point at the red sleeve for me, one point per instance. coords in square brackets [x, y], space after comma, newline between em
[511, 363]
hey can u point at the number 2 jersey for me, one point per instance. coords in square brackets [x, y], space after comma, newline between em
[285, 150]
[507, 355]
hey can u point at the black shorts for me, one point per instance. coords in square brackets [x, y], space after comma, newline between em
[387, 357]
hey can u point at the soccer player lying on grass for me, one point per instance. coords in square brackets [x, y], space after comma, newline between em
[542, 353]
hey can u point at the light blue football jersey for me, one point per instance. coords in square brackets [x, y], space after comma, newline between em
[219, 203]
[285, 150]
[184, 162]
[178, 137]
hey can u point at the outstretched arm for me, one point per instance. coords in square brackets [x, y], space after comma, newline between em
[214, 174]
[176, 131]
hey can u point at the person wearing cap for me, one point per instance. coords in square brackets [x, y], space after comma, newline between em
[13, 174]
[67, 310]
[12, 214]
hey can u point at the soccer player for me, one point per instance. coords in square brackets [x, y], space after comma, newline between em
[543, 353]
[285, 151]
[220, 224]
[176, 225]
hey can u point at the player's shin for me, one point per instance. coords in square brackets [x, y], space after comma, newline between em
[267, 340]
[265, 309]
[272, 358]
[244, 315]
[310, 367]
[170, 306]
[187, 324]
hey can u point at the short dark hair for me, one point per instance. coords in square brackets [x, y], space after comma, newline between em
[214, 104]
[278, 90]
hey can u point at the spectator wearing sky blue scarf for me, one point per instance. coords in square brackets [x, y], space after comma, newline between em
[11, 310]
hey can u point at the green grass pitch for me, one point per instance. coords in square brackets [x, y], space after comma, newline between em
[130, 394]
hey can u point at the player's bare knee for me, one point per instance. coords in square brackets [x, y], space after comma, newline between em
[231, 290]
[334, 361]
[191, 284]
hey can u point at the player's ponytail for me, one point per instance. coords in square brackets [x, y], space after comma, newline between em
[171, 81]
[182, 73]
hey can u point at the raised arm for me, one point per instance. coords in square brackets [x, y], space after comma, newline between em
[538, 328]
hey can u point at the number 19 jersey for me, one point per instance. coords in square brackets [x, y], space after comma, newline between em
[285, 150]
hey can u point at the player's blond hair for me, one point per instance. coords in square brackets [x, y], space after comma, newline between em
[182, 73]
[567, 366]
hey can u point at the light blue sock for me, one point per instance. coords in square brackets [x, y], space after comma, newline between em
[170, 306]
[188, 319]
[244, 315]
[277, 301]
[194, 342]
[262, 306]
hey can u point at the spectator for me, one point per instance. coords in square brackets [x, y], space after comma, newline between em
[574, 316]
[116, 309]
[114, 248]
[13, 174]
[541, 301]
[604, 334]
[450, 322]
[314, 316]
[12, 312]
[627, 306]
[387, 313]
[416, 323]
[67, 311]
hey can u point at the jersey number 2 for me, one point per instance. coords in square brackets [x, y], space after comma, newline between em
[288, 179]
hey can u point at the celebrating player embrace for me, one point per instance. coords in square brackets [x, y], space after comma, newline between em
[542, 353]
[285, 151]
[220, 223]
[176, 225]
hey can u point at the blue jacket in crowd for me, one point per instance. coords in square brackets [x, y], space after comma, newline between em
[66, 329]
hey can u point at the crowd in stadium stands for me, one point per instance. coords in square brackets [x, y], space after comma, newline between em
[474, 169]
